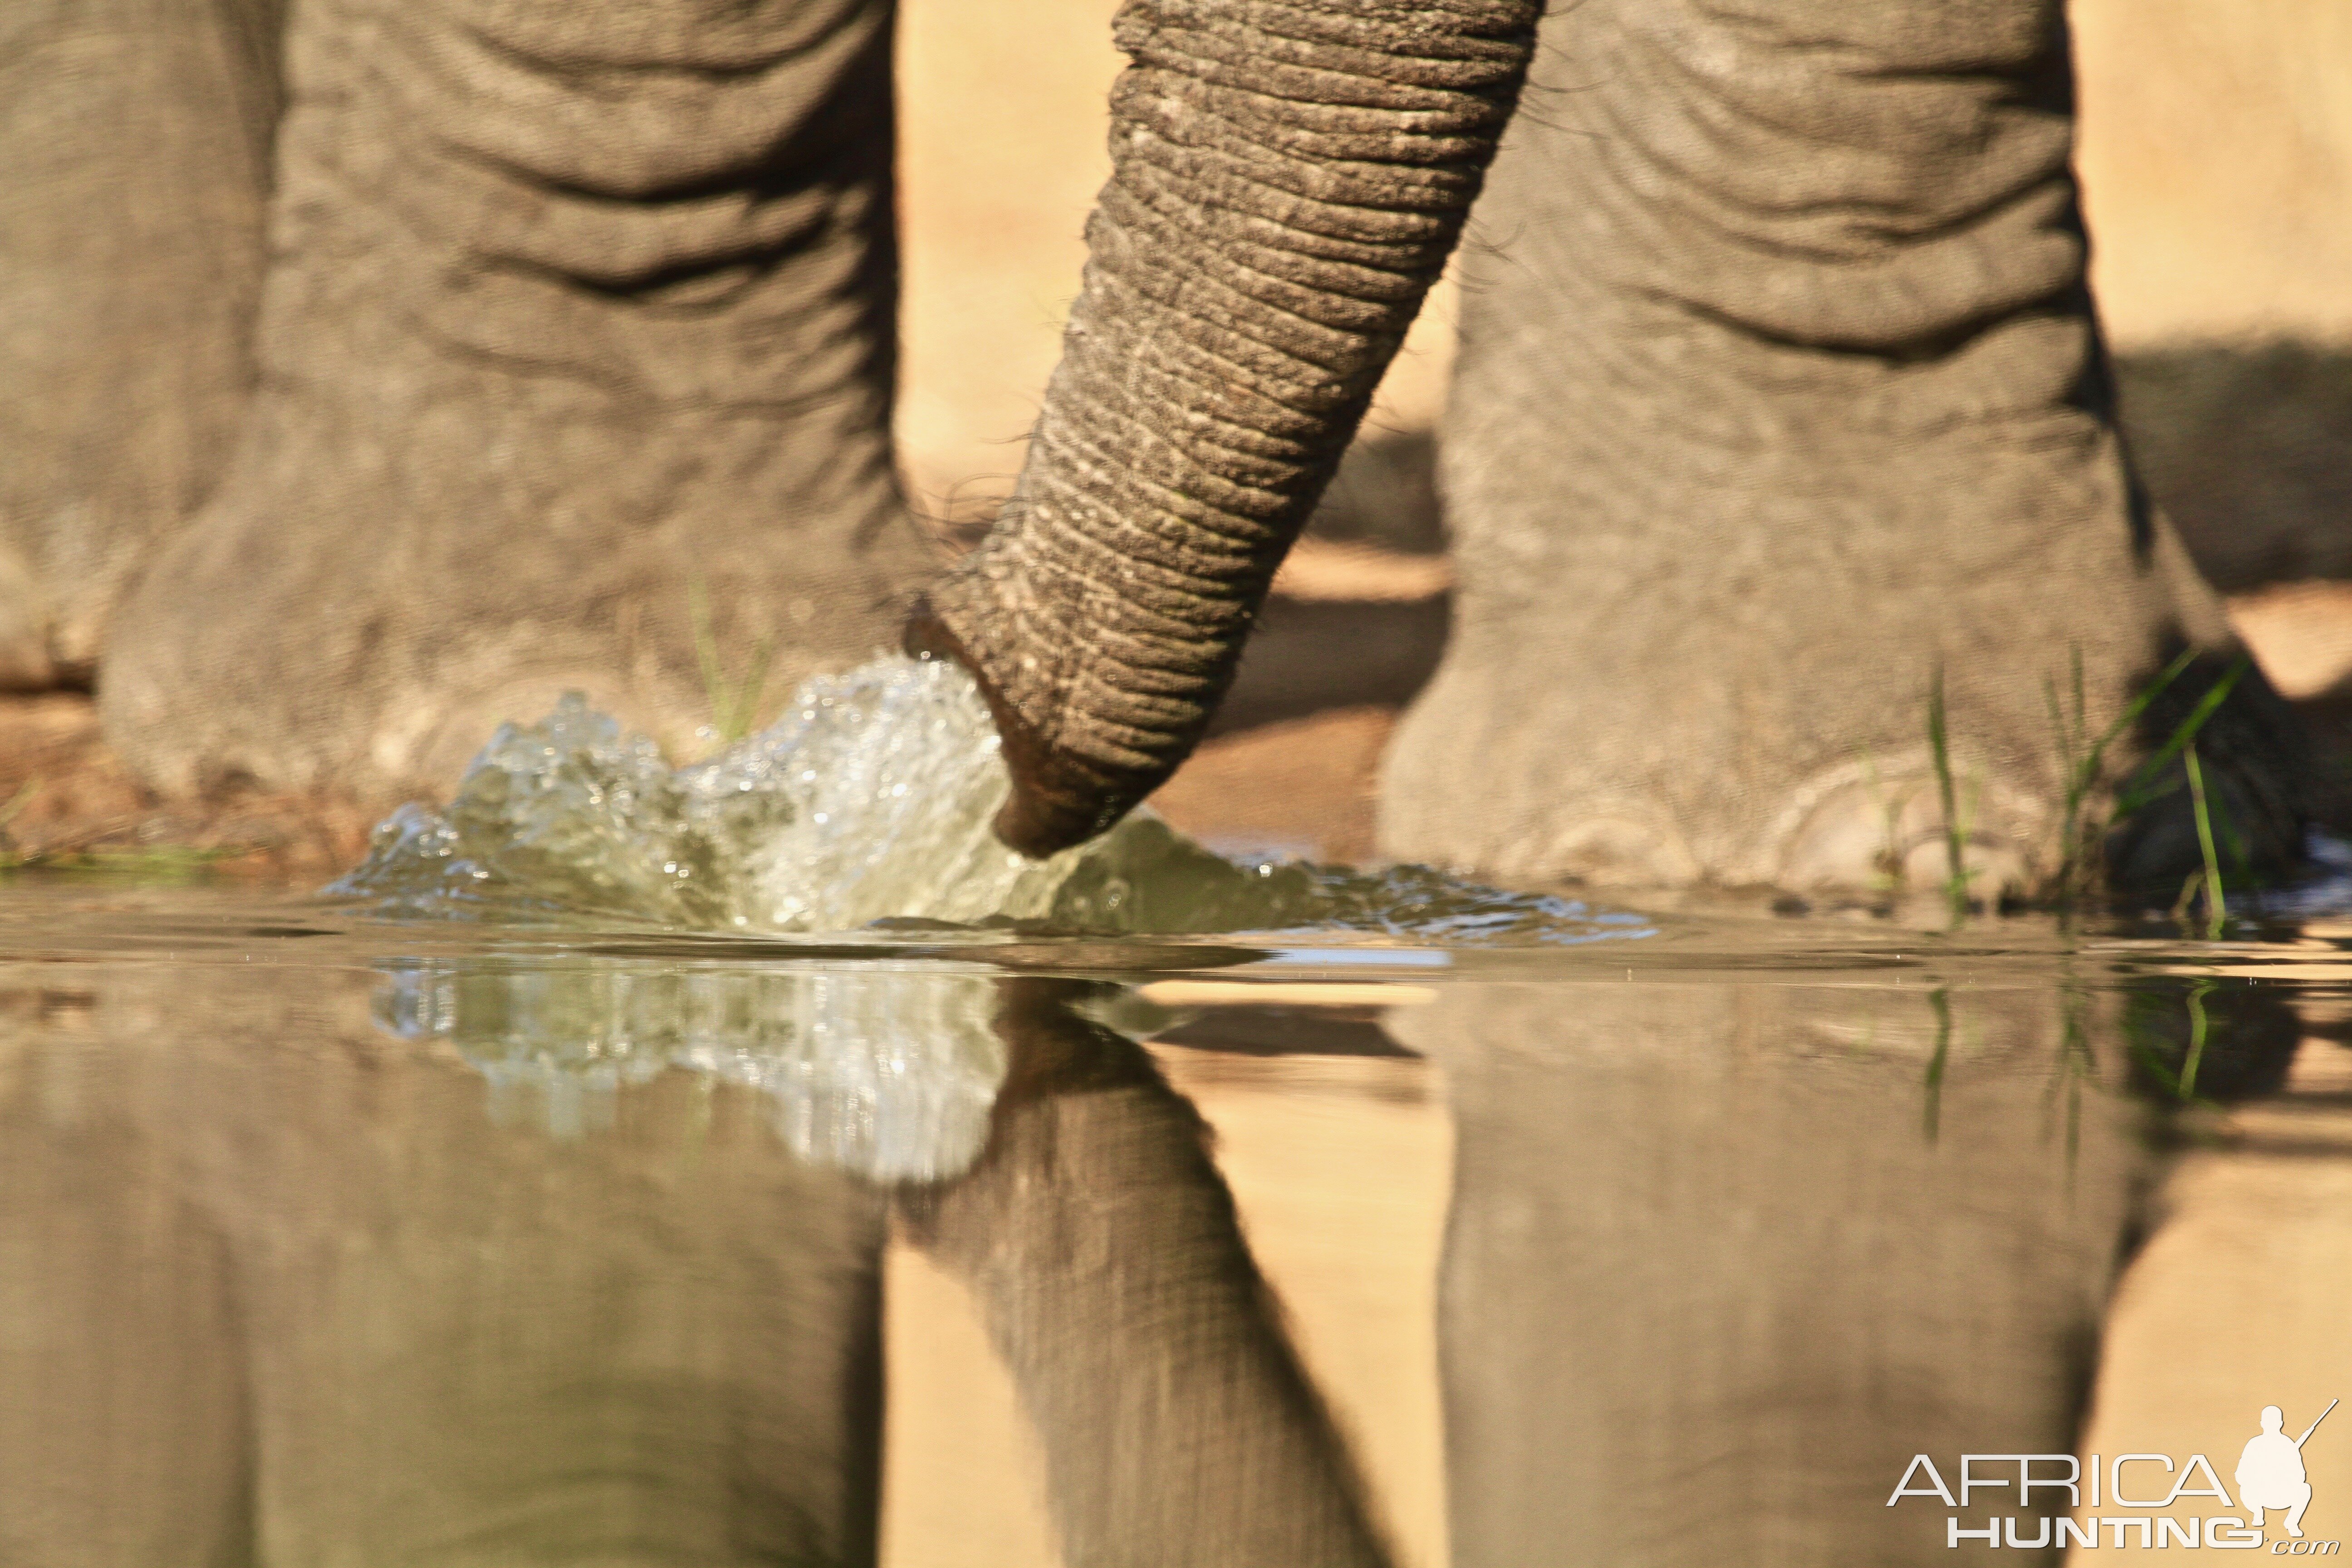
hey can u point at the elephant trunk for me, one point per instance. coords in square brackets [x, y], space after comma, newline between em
[1287, 180]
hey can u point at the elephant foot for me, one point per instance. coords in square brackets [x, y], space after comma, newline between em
[379, 684]
[140, 138]
[24, 663]
[1674, 777]
[1746, 495]
[1868, 826]
[323, 625]
[1863, 826]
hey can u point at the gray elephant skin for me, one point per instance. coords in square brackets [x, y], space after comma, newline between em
[1781, 400]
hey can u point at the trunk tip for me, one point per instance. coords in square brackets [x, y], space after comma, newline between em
[1058, 800]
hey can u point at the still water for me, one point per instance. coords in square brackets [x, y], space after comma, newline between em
[332, 1238]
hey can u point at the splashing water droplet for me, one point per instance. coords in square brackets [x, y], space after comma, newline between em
[871, 800]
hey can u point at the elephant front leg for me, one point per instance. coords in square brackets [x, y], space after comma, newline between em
[575, 312]
[1780, 431]
[139, 136]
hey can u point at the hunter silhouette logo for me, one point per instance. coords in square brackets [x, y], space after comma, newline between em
[2271, 1479]
[2271, 1474]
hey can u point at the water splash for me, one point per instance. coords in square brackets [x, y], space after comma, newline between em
[869, 801]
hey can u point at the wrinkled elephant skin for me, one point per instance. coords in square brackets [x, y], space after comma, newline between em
[1779, 390]
[1781, 405]
[570, 314]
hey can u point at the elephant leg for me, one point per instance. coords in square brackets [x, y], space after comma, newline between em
[131, 257]
[575, 314]
[1781, 404]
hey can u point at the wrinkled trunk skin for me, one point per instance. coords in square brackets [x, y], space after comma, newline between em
[570, 308]
[1107, 1261]
[1710, 1279]
[1780, 385]
[130, 255]
[1287, 180]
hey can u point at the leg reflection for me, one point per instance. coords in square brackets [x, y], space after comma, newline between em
[1723, 1257]
[280, 1291]
[126, 1434]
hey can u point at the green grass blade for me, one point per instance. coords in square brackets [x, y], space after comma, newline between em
[706, 649]
[1956, 881]
[754, 687]
[2132, 710]
[2216, 911]
[2143, 791]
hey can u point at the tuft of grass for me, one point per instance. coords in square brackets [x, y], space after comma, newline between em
[2084, 763]
[734, 704]
[2144, 788]
[1956, 875]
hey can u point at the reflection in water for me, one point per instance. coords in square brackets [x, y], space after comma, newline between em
[1710, 1282]
[279, 1291]
[281, 1294]
[1727, 1248]
[1101, 1246]
[886, 1071]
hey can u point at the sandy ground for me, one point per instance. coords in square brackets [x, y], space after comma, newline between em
[67, 800]
[2216, 156]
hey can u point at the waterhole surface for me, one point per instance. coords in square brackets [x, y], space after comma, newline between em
[632, 1164]
[868, 802]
